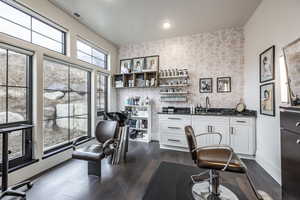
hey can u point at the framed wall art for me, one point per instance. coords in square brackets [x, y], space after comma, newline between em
[267, 65]
[205, 85]
[223, 84]
[138, 64]
[267, 99]
[126, 66]
[152, 63]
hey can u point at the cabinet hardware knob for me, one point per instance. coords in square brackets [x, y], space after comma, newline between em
[241, 121]
[298, 141]
[297, 124]
[231, 130]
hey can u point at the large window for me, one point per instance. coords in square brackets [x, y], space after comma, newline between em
[87, 53]
[101, 94]
[16, 101]
[15, 21]
[66, 103]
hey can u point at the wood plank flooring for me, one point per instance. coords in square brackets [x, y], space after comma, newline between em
[69, 181]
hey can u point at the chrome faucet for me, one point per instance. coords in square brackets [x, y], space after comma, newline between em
[207, 104]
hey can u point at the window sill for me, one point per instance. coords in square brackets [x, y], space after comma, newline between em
[65, 148]
[21, 166]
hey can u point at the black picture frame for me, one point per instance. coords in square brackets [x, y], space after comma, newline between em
[146, 63]
[143, 64]
[273, 112]
[211, 85]
[219, 79]
[130, 67]
[261, 57]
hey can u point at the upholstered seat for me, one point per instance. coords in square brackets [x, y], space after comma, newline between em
[218, 158]
[92, 152]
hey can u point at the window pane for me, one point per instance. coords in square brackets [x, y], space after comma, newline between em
[14, 30]
[55, 104]
[98, 54]
[283, 81]
[2, 105]
[84, 57]
[78, 104]
[47, 30]
[17, 65]
[55, 132]
[15, 145]
[101, 95]
[13, 14]
[78, 79]
[84, 48]
[78, 126]
[98, 62]
[3, 63]
[17, 104]
[55, 76]
[46, 42]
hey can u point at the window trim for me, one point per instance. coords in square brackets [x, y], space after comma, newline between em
[27, 134]
[67, 144]
[92, 46]
[32, 14]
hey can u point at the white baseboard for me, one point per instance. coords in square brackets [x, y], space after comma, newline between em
[270, 168]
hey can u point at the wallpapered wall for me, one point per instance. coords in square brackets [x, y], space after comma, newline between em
[205, 55]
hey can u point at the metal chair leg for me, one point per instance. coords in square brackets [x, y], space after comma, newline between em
[259, 197]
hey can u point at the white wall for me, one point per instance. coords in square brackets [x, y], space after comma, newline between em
[75, 29]
[206, 55]
[275, 22]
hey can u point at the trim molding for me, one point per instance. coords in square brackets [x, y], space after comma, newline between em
[270, 168]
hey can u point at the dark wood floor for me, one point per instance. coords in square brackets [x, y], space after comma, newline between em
[69, 181]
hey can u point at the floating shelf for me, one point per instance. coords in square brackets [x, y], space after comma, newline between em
[183, 85]
[135, 80]
[173, 93]
[138, 129]
[137, 106]
[173, 77]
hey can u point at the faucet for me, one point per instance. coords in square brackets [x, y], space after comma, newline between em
[207, 104]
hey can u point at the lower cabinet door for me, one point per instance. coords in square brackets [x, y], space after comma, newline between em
[290, 164]
[239, 139]
[223, 129]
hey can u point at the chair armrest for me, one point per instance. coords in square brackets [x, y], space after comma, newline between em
[220, 146]
[211, 133]
[75, 142]
[108, 142]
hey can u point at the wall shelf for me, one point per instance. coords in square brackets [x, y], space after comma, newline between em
[135, 80]
[173, 77]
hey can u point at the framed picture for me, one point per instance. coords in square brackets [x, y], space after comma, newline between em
[223, 84]
[138, 64]
[267, 99]
[152, 63]
[292, 64]
[267, 65]
[126, 66]
[206, 85]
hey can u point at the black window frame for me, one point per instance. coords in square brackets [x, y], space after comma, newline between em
[64, 40]
[100, 112]
[26, 134]
[93, 47]
[66, 144]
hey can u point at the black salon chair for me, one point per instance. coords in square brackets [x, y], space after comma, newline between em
[214, 158]
[106, 132]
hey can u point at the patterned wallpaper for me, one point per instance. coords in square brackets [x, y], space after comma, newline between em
[205, 55]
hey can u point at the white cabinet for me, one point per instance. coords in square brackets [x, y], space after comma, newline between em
[207, 124]
[171, 128]
[242, 135]
[237, 132]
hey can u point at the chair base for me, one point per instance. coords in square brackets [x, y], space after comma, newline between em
[94, 168]
[202, 191]
[12, 191]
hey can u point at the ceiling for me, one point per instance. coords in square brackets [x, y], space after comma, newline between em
[134, 21]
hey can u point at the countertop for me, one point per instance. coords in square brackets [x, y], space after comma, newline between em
[221, 112]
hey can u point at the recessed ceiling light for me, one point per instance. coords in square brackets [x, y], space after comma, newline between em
[166, 25]
[76, 14]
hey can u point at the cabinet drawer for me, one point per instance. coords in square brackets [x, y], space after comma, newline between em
[174, 140]
[172, 128]
[239, 121]
[290, 121]
[176, 119]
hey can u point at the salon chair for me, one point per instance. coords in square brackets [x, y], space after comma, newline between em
[105, 134]
[214, 158]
